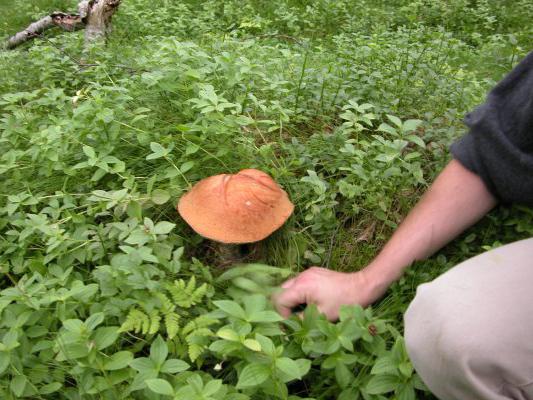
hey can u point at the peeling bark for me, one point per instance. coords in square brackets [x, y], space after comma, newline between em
[93, 15]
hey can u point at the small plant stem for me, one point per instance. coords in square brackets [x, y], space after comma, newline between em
[302, 74]
[179, 171]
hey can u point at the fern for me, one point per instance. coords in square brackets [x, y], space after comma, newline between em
[155, 320]
[200, 322]
[172, 324]
[166, 303]
[186, 294]
[136, 321]
[181, 294]
[197, 342]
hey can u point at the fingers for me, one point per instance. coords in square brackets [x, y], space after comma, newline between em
[291, 296]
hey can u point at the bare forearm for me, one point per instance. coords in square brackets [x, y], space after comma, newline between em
[456, 200]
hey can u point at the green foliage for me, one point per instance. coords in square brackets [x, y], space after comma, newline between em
[106, 294]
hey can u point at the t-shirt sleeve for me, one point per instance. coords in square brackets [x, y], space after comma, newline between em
[499, 144]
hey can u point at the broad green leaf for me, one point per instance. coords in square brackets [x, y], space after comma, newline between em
[252, 344]
[163, 227]
[343, 375]
[267, 346]
[105, 337]
[73, 325]
[94, 320]
[349, 394]
[406, 392]
[118, 360]
[410, 125]
[160, 386]
[384, 127]
[231, 308]
[224, 347]
[212, 387]
[89, 151]
[186, 166]
[50, 388]
[395, 120]
[18, 384]
[174, 366]
[406, 369]
[291, 368]
[384, 365]
[143, 364]
[265, 316]
[253, 375]
[160, 196]
[228, 334]
[380, 384]
[159, 350]
[416, 140]
[5, 358]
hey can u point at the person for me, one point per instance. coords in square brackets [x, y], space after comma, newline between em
[468, 332]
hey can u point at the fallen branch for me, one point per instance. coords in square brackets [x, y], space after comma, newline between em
[93, 15]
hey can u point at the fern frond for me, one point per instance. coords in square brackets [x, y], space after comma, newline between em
[172, 324]
[200, 322]
[166, 304]
[186, 294]
[155, 320]
[136, 321]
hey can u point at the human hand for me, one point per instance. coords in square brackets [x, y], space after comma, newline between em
[328, 290]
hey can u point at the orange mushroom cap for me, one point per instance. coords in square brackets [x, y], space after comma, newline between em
[241, 208]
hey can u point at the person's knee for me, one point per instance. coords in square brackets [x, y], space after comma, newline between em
[442, 338]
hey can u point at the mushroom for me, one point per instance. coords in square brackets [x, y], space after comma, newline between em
[245, 207]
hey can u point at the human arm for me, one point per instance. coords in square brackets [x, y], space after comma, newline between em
[456, 200]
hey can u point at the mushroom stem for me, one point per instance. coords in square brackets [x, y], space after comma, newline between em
[227, 255]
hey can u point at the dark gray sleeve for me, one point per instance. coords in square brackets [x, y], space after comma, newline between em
[499, 144]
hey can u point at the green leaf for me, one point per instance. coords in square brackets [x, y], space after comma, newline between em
[252, 344]
[105, 337]
[416, 140]
[5, 358]
[174, 366]
[380, 384]
[118, 360]
[406, 369]
[143, 364]
[50, 388]
[384, 365]
[163, 227]
[231, 308]
[212, 387]
[89, 151]
[343, 375]
[395, 120]
[73, 325]
[186, 166]
[18, 384]
[265, 316]
[160, 196]
[410, 125]
[160, 386]
[228, 334]
[94, 320]
[388, 129]
[159, 351]
[290, 367]
[406, 392]
[253, 375]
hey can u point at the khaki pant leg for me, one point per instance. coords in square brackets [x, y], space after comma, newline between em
[469, 333]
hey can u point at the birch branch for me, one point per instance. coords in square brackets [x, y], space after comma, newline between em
[93, 15]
